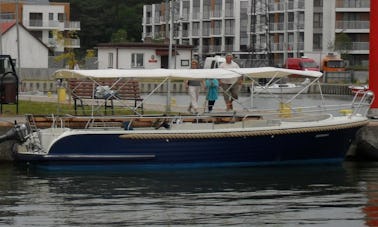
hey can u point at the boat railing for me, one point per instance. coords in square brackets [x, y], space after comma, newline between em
[251, 118]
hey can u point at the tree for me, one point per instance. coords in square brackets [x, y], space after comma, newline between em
[343, 43]
[100, 19]
[119, 36]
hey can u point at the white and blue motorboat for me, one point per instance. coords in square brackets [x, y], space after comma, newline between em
[287, 134]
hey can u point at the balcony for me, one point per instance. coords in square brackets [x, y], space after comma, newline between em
[40, 24]
[160, 34]
[195, 32]
[352, 25]
[216, 31]
[162, 19]
[353, 4]
[148, 34]
[276, 7]
[215, 48]
[205, 49]
[277, 47]
[229, 48]
[72, 25]
[295, 5]
[229, 13]
[276, 27]
[229, 31]
[216, 14]
[72, 43]
[185, 16]
[51, 25]
[206, 32]
[206, 15]
[185, 33]
[196, 15]
[360, 46]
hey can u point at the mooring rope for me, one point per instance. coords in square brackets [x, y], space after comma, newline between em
[215, 135]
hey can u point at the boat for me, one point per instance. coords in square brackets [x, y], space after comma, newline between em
[287, 134]
[281, 88]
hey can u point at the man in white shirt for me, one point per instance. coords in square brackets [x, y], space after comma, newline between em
[194, 88]
[231, 87]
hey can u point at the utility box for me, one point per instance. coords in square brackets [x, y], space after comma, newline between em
[8, 82]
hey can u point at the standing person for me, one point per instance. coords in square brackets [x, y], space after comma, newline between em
[231, 87]
[212, 92]
[194, 87]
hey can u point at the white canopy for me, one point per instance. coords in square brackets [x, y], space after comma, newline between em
[264, 72]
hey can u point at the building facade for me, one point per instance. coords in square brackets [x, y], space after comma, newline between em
[264, 32]
[142, 56]
[48, 21]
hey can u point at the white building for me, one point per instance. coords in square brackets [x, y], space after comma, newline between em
[33, 53]
[142, 56]
[48, 21]
[263, 31]
[43, 20]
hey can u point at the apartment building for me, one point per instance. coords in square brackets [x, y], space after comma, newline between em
[48, 21]
[263, 32]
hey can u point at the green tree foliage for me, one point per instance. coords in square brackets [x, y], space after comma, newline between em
[343, 43]
[100, 20]
[119, 36]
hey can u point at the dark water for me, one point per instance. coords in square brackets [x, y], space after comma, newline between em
[337, 195]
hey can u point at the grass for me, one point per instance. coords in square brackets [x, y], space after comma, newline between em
[43, 108]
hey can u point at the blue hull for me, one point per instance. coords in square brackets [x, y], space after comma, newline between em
[103, 149]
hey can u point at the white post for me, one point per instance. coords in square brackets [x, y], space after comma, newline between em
[168, 107]
[18, 42]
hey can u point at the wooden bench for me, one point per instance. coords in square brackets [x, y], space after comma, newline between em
[124, 90]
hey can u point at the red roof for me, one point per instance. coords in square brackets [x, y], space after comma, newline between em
[5, 26]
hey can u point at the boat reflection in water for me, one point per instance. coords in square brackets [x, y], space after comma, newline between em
[327, 195]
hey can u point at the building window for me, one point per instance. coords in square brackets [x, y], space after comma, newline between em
[317, 42]
[217, 8]
[137, 60]
[318, 20]
[61, 17]
[51, 16]
[229, 27]
[206, 9]
[196, 29]
[196, 9]
[318, 3]
[217, 27]
[110, 60]
[206, 28]
[229, 8]
[35, 19]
